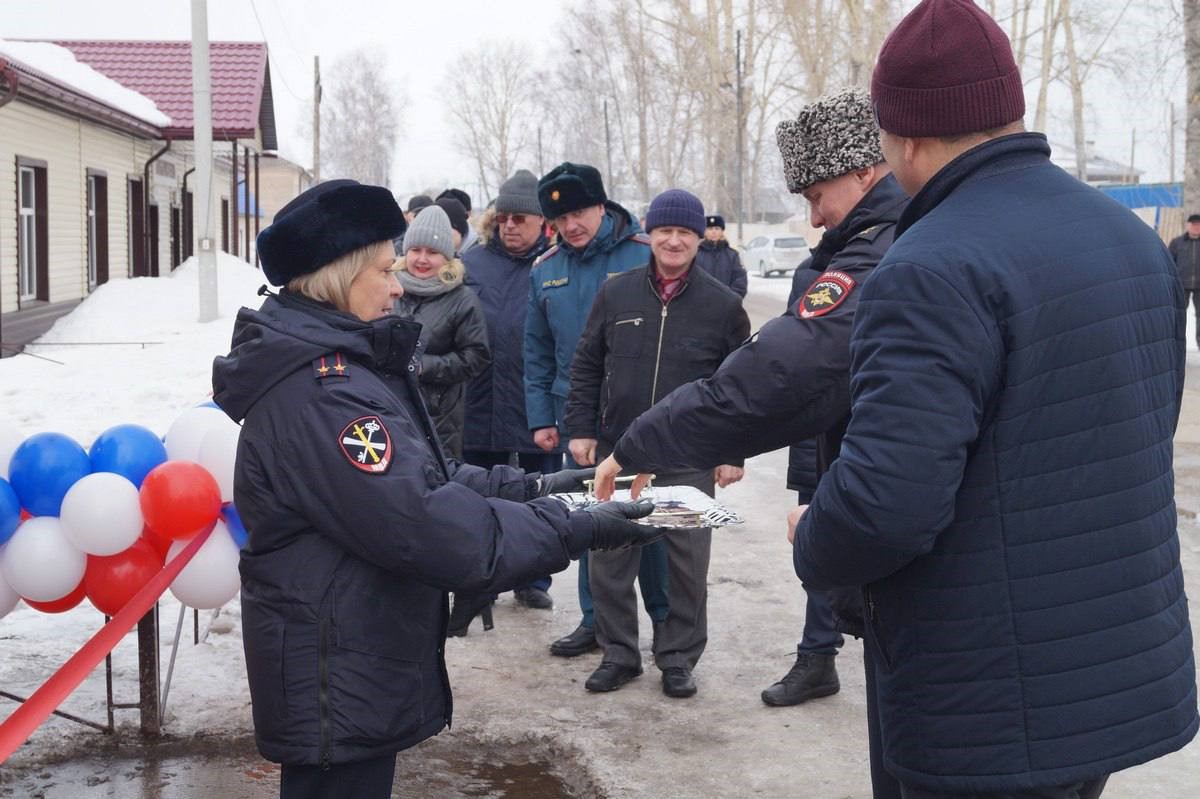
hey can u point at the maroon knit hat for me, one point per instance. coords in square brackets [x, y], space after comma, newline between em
[947, 69]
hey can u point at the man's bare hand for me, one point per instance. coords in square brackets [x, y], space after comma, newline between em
[546, 438]
[794, 519]
[583, 450]
[606, 478]
[728, 475]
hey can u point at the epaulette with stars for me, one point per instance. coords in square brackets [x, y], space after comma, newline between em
[544, 256]
[331, 365]
[641, 238]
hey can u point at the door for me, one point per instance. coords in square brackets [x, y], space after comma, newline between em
[137, 231]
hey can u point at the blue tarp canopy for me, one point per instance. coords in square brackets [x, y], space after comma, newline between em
[241, 201]
[1147, 195]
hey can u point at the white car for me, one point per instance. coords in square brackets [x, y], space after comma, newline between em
[766, 255]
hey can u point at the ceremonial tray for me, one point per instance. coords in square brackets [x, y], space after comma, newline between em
[677, 507]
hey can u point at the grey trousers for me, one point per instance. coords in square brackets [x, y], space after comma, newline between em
[684, 633]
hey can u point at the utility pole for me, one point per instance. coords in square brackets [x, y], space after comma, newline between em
[608, 148]
[316, 119]
[740, 124]
[206, 254]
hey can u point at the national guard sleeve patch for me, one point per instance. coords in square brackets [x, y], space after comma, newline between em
[366, 444]
[826, 293]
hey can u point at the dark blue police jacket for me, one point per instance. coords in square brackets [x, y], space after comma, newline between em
[358, 528]
[1005, 484]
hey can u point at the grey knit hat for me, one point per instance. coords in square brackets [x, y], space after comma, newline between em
[831, 137]
[518, 194]
[430, 228]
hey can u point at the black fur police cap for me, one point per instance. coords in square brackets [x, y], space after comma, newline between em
[714, 220]
[831, 137]
[324, 223]
[569, 187]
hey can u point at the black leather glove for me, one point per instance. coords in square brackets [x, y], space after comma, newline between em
[564, 481]
[614, 528]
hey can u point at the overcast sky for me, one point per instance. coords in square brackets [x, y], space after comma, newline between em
[423, 38]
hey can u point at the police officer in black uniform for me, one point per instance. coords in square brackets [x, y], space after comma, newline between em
[790, 382]
[358, 525]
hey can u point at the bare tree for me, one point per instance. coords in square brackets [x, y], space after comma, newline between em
[1191, 53]
[492, 110]
[360, 119]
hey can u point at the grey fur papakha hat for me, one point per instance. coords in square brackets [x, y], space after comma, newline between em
[835, 135]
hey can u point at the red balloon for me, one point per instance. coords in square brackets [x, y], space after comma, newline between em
[112, 580]
[25, 514]
[180, 499]
[60, 605]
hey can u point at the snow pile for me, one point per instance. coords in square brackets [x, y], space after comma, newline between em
[132, 352]
[60, 64]
[82, 391]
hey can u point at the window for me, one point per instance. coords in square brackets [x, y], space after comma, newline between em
[33, 269]
[790, 243]
[97, 228]
[27, 235]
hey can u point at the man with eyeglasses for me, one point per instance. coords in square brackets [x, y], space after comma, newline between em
[496, 431]
[597, 238]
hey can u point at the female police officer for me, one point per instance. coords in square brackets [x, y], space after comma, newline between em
[358, 524]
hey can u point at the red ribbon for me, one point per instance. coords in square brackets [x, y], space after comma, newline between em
[17, 728]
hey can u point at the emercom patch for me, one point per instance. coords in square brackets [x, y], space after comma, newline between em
[366, 444]
[826, 293]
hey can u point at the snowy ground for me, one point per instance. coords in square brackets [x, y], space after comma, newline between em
[509, 692]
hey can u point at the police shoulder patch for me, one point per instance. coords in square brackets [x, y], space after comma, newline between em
[367, 445]
[826, 293]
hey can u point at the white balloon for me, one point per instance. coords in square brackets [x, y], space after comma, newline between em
[10, 439]
[101, 514]
[8, 597]
[211, 578]
[188, 430]
[40, 563]
[218, 452]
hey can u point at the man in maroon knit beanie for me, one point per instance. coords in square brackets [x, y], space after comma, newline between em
[1004, 492]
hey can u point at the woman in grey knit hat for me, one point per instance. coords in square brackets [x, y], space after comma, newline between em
[454, 341]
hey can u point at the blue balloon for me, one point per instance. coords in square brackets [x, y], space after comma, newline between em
[10, 511]
[44, 468]
[128, 450]
[233, 520]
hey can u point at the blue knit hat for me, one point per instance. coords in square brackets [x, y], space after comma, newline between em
[677, 208]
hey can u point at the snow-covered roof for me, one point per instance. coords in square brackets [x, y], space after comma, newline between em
[60, 65]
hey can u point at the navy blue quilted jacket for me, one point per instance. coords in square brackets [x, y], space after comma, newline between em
[1005, 485]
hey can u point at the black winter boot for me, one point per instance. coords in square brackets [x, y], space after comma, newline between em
[812, 676]
[465, 609]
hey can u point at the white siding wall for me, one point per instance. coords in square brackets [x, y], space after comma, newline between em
[69, 147]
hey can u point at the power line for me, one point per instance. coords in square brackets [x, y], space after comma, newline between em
[282, 75]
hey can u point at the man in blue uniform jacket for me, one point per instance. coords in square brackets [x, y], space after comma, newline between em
[1005, 488]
